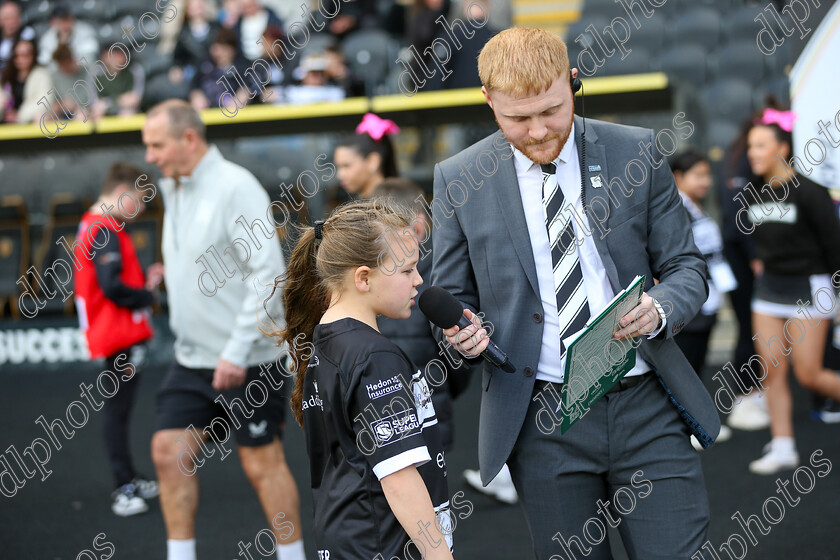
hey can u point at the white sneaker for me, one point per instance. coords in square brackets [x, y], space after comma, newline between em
[829, 413]
[750, 414]
[500, 488]
[146, 489]
[775, 460]
[126, 502]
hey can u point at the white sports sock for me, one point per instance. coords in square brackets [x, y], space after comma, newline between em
[291, 551]
[180, 549]
[784, 444]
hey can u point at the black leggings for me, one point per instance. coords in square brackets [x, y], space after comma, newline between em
[116, 414]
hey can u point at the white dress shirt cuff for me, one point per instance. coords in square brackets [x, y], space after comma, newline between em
[661, 316]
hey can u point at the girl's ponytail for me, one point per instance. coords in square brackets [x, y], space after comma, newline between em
[305, 299]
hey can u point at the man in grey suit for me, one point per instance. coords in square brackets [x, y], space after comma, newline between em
[515, 238]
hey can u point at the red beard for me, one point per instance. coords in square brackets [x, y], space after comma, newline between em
[547, 157]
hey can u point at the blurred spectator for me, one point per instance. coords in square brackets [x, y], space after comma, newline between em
[122, 84]
[354, 14]
[194, 40]
[796, 256]
[290, 12]
[693, 177]
[272, 92]
[170, 29]
[422, 30]
[750, 411]
[66, 30]
[114, 305]
[338, 74]
[22, 83]
[253, 21]
[463, 66]
[314, 85]
[224, 53]
[11, 30]
[64, 78]
[229, 13]
[365, 159]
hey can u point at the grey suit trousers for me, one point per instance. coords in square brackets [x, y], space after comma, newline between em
[627, 463]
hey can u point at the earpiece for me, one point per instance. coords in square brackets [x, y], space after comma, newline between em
[575, 83]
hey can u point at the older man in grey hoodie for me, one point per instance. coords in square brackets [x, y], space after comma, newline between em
[219, 255]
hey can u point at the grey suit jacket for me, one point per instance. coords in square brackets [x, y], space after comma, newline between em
[483, 255]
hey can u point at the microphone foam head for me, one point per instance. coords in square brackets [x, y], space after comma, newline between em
[440, 307]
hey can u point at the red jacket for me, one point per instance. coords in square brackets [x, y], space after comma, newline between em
[108, 327]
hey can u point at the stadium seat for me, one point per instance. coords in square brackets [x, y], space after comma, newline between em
[740, 24]
[778, 87]
[37, 12]
[720, 134]
[682, 5]
[781, 58]
[160, 88]
[741, 59]
[369, 54]
[604, 8]
[318, 42]
[146, 233]
[285, 231]
[578, 29]
[727, 98]
[109, 32]
[65, 212]
[153, 62]
[133, 8]
[651, 35]
[699, 26]
[25, 176]
[14, 250]
[94, 11]
[685, 62]
[637, 62]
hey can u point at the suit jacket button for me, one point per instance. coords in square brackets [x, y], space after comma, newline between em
[528, 372]
[537, 317]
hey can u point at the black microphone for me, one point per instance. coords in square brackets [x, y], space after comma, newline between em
[445, 311]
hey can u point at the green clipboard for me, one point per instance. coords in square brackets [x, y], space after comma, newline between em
[595, 361]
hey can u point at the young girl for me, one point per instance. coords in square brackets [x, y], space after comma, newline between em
[376, 461]
[797, 237]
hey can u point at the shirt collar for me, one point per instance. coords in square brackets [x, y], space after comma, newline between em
[205, 165]
[523, 164]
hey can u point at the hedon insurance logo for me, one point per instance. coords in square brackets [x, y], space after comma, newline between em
[384, 387]
[393, 428]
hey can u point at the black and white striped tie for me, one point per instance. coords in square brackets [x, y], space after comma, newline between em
[572, 305]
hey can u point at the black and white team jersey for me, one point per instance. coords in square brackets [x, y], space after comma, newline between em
[368, 413]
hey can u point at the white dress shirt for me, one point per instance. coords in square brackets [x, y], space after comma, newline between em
[598, 290]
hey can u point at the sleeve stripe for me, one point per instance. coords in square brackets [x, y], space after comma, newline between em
[416, 456]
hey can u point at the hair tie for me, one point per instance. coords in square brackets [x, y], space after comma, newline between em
[377, 127]
[319, 229]
[784, 119]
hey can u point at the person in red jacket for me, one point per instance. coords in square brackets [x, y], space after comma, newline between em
[113, 299]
